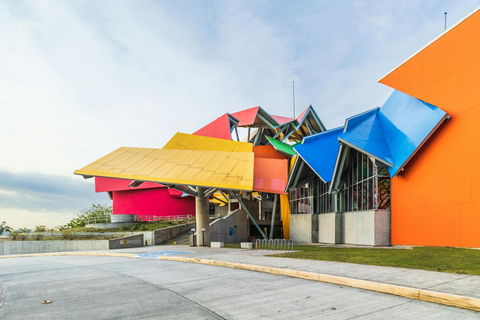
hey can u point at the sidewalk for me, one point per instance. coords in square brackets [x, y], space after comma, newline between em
[458, 284]
[465, 286]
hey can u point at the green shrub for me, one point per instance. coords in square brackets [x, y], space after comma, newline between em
[14, 235]
[40, 228]
[68, 235]
[37, 236]
[100, 212]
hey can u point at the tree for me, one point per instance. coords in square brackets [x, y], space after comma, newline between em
[4, 228]
[41, 228]
[96, 211]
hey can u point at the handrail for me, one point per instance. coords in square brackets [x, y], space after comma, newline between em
[136, 218]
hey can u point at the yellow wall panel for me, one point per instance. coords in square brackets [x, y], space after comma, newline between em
[162, 170]
[232, 180]
[229, 169]
[240, 169]
[218, 177]
[216, 162]
[176, 171]
[189, 174]
[193, 142]
[227, 166]
[203, 175]
[151, 167]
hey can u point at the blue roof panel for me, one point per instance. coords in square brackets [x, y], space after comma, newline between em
[351, 122]
[368, 136]
[393, 133]
[406, 123]
[319, 151]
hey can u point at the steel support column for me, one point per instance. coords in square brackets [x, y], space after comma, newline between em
[244, 207]
[273, 215]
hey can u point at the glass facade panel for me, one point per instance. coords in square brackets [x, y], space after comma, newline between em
[366, 186]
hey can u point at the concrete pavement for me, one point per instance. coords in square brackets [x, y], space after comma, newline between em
[464, 286]
[102, 287]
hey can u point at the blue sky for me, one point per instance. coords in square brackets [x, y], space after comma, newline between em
[79, 79]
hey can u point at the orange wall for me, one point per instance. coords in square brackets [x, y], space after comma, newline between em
[436, 200]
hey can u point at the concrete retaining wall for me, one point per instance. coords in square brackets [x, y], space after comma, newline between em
[330, 227]
[371, 228]
[134, 241]
[231, 229]
[165, 234]
[304, 228]
[23, 247]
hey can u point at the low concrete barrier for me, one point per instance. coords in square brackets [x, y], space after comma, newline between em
[165, 234]
[23, 247]
[217, 244]
[246, 245]
[134, 241]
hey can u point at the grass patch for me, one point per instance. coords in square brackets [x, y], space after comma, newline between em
[137, 226]
[443, 259]
[232, 245]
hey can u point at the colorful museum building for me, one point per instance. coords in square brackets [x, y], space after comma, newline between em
[406, 173]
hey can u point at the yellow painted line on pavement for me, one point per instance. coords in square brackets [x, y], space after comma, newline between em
[408, 292]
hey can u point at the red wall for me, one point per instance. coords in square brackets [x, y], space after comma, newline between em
[152, 202]
[110, 184]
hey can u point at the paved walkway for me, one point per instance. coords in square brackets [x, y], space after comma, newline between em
[456, 284]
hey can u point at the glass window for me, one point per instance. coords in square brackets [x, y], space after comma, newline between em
[367, 186]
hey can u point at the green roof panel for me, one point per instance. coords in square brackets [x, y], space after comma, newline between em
[282, 147]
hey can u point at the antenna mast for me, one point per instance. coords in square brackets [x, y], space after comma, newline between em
[293, 99]
[445, 21]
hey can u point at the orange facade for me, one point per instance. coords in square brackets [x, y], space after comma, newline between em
[436, 200]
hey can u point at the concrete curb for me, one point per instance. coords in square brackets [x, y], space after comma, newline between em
[107, 254]
[408, 292]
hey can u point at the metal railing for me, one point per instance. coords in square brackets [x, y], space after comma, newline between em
[135, 218]
[104, 219]
[159, 218]
[274, 244]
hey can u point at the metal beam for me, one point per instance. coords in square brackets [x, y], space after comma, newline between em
[248, 212]
[269, 123]
[185, 190]
[236, 131]
[288, 135]
[209, 192]
[257, 136]
[297, 176]
[223, 194]
[135, 183]
[191, 188]
[218, 199]
[272, 226]
[279, 132]
[308, 127]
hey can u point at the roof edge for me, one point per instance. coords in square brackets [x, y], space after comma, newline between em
[429, 43]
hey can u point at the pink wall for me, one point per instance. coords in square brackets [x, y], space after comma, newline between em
[110, 184]
[152, 202]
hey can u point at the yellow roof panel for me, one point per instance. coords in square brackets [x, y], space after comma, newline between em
[192, 142]
[218, 169]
